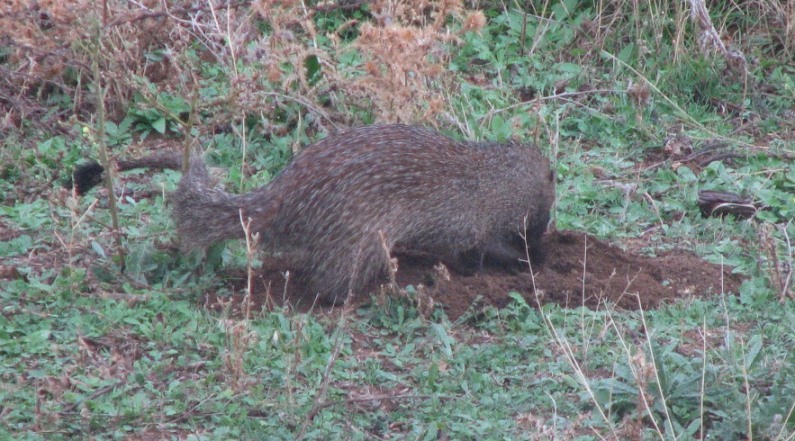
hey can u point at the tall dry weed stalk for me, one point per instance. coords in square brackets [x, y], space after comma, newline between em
[95, 49]
[709, 39]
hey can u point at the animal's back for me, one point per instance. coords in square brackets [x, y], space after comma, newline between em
[350, 198]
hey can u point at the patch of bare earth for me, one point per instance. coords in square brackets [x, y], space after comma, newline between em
[579, 270]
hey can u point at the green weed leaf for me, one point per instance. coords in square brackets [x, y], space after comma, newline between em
[752, 350]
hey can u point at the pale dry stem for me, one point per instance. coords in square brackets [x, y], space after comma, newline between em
[320, 398]
[565, 346]
[240, 340]
[779, 272]
[252, 239]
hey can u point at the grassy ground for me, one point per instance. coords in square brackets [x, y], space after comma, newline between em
[642, 105]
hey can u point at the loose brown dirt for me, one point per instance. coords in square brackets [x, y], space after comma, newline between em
[579, 270]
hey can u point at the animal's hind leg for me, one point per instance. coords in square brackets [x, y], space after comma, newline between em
[371, 262]
[349, 269]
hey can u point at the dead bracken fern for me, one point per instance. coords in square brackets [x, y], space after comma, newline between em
[407, 52]
[404, 49]
[152, 46]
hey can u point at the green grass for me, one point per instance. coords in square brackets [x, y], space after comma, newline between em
[91, 351]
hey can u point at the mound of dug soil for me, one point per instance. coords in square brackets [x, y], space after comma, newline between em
[582, 270]
[579, 270]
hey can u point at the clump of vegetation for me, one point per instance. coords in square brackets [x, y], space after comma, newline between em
[109, 332]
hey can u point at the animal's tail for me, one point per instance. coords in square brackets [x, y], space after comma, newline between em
[88, 174]
[205, 214]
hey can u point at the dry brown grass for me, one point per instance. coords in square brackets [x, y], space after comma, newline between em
[404, 47]
[153, 47]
